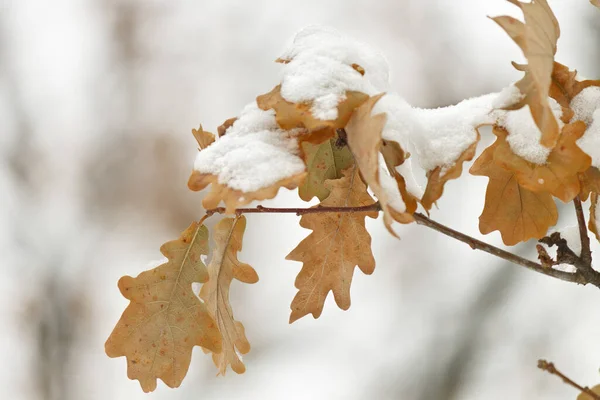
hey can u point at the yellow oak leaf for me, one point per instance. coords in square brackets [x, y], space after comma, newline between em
[595, 389]
[559, 176]
[291, 115]
[594, 224]
[437, 178]
[519, 214]
[224, 266]
[364, 138]
[323, 161]
[338, 243]
[165, 319]
[537, 38]
[236, 198]
[203, 138]
[590, 182]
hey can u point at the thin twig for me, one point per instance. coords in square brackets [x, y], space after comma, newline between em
[425, 221]
[586, 252]
[495, 251]
[297, 211]
[551, 369]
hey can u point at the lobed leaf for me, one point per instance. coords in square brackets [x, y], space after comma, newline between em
[222, 269]
[165, 319]
[537, 38]
[338, 243]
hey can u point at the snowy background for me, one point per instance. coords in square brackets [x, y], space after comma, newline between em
[97, 101]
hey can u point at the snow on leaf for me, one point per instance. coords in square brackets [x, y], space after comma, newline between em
[323, 161]
[590, 142]
[240, 164]
[594, 224]
[364, 138]
[164, 319]
[222, 269]
[565, 88]
[559, 175]
[437, 178]
[203, 138]
[338, 242]
[537, 38]
[519, 214]
[298, 115]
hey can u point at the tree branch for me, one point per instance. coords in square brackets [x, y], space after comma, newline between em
[424, 221]
[551, 369]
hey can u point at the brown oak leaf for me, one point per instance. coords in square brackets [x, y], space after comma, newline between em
[323, 161]
[519, 214]
[559, 176]
[590, 182]
[338, 243]
[364, 138]
[594, 224]
[236, 198]
[595, 389]
[291, 115]
[222, 269]
[165, 319]
[203, 138]
[226, 125]
[537, 38]
[437, 178]
[565, 87]
[595, 3]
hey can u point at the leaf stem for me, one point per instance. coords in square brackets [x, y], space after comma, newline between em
[586, 253]
[551, 369]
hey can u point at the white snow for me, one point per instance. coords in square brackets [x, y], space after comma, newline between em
[590, 142]
[571, 235]
[253, 154]
[319, 70]
[447, 132]
[524, 135]
[597, 215]
[508, 96]
[585, 103]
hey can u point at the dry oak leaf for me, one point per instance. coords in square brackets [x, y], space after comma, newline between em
[590, 182]
[559, 176]
[338, 243]
[437, 178]
[203, 138]
[323, 161]
[290, 115]
[594, 224]
[364, 138]
[565, 87]
[234, 198]
[537, 38]
[519, 214]
[165, 319]
[595, 3]
[226, 125]
[394, 155]
[222, 269]
[595, 389]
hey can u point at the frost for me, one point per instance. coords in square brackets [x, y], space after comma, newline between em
[253, 154]
[524, 135]
[590, 142]
[319, 70]
[585, 103]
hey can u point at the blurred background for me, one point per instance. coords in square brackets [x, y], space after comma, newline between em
[97, 102]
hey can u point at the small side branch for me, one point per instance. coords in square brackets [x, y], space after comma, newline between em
[551, 369]
[586, 253]
[298, 211]
[495, 251]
